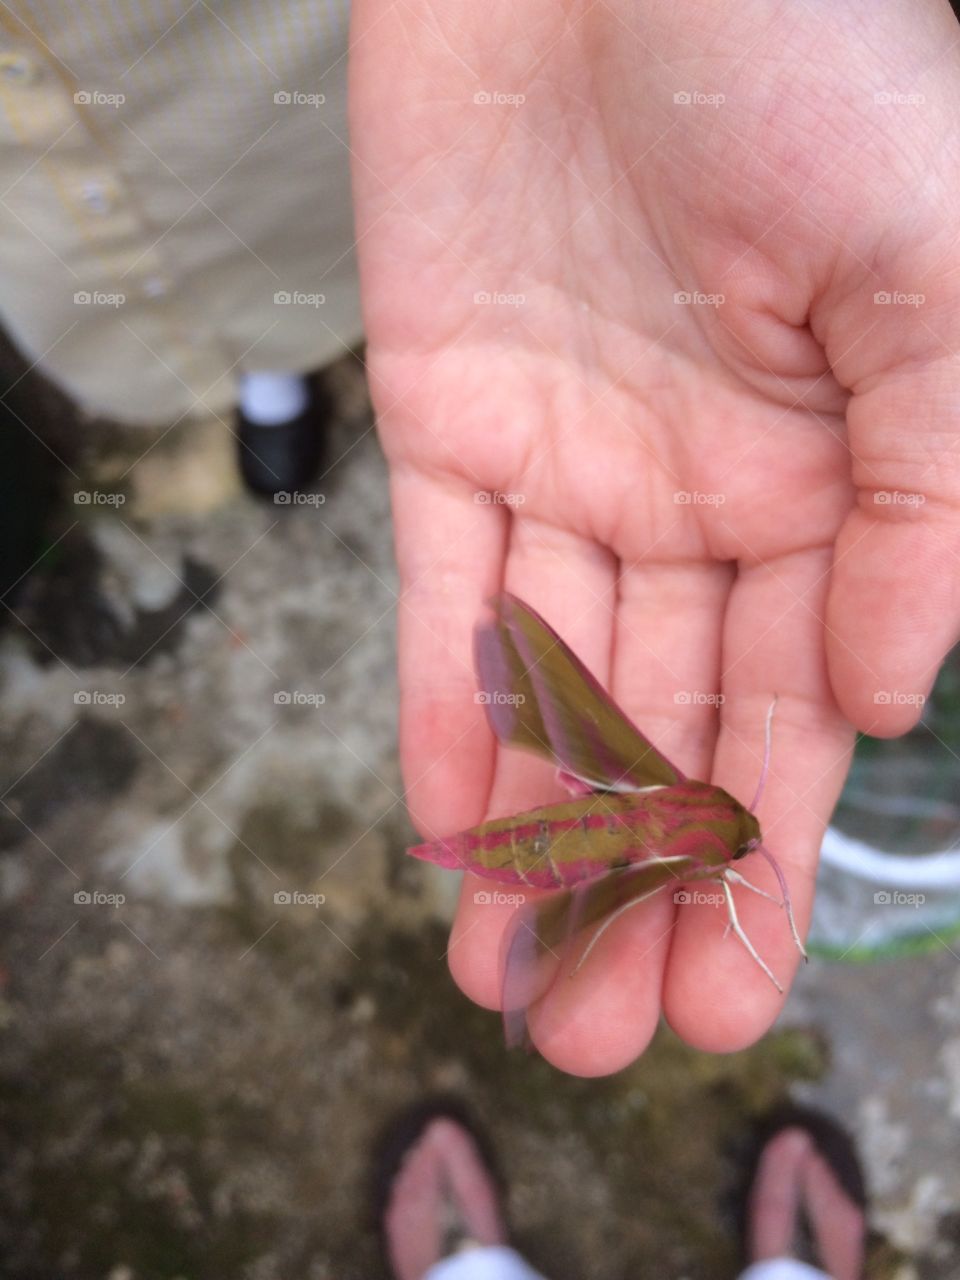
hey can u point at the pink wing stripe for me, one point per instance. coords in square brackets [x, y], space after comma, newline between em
[455, 854]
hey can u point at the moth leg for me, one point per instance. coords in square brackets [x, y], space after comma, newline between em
[796, 936]
[634, 902]
[734, 877]
[523, 875]
[570, 782]
[738, 930]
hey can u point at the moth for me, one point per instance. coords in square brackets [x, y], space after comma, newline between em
[634, 826]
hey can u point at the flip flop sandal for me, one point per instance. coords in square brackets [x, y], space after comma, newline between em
[831, 1141]
[397, 1140]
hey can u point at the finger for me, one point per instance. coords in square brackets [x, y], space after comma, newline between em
[894, 607]
[715, 995]
[667, 643]
[570, 581]
[597, 1020]
[450, 552]
[666, 670]
[893, 615]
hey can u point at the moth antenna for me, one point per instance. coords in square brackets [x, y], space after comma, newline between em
[738, 930]
[765, 767]
[634, 902]
[785, 891]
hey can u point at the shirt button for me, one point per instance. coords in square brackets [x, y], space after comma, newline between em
[156, 286]
[96, 197]
[16, 69]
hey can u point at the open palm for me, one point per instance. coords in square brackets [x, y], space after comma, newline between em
[662, 313]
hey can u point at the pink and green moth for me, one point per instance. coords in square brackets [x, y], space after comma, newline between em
[634, 826]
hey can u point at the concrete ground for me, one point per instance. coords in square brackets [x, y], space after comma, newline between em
[199, 715]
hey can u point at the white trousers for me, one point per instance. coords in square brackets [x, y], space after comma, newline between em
[500, 1263]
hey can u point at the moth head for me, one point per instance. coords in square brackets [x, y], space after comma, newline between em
[748, 835]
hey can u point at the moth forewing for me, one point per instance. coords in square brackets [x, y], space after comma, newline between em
[541, 697]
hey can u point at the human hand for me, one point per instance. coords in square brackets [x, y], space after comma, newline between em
[812, 428]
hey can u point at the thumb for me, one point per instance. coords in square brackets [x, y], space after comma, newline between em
[894, 605]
